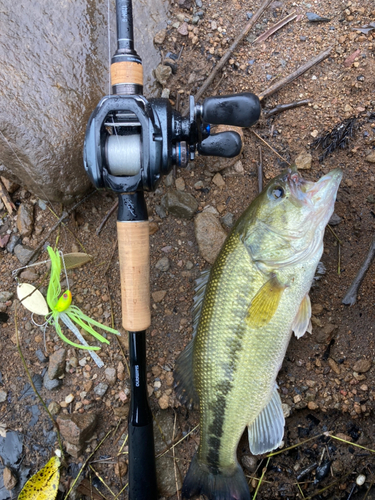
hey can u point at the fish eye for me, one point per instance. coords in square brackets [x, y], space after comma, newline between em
[277, 192]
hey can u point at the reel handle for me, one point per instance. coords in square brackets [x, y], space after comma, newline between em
[241, 110]
[225, 144]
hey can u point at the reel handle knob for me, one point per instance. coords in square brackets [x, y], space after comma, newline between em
[225, 144]
[241, 110]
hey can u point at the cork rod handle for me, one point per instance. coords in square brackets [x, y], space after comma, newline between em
[134, 253]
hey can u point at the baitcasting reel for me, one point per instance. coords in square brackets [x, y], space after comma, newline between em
[131, 141]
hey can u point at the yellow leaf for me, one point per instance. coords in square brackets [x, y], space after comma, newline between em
[44, 484]
[76, 259]
[32, 299]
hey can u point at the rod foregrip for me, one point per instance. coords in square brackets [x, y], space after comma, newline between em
[134, 256]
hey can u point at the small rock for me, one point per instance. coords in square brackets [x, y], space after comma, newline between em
[40, 355]
[360, 480]
[121, 371]
[286, 409]
[315, 133]
[228, 220]
[54, 408]
[69, 399]
[163, 264]
[153, 228]
[29, 275]
[13, 242]
[183, 29]
[316, 309]
[162, 73]
[49, 384]
[324, 335]
[3, 396]
[160, 36]
[334, 366]
[5, 295]
[101, 389]
[210, 235]
[3, 307]
[218, 180]
[371, 158]
[311, 405]
[335, 220]
[180, 184]
[25, 219]
[111, 375]
[168, 180]
[23, 253]
[362, 366]
[78, 427]
[10, 480]
[236, 169]
[303, 161]
[159, 295]
[249, 462]
[74, 450]
[56, 366]
[180, 204]
[164, 402]
[121, 468]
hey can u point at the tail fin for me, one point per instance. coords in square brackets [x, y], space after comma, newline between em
[221, 486]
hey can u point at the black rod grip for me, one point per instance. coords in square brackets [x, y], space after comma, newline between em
[142, 474]
[225, 144]
[241, 110]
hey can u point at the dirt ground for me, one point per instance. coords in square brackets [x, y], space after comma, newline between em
[321, 382]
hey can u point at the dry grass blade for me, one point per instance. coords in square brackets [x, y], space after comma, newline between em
[261, 478]
[102, 480]
[349, 442]
[119, 493]
[174, 459]
[178, 442]
[275, 27]
[298, 444]
[269, 146]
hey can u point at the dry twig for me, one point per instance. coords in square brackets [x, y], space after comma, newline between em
[260, 171]
[280, 108]
[269, 146]
[351, 295]
[106, 217]
[298, 72]
[275, 27]
[10, 206]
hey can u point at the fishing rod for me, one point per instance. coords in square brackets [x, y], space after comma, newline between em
[130, 143]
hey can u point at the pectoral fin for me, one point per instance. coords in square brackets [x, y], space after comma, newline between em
[302, 323]
[265, 303]
[267, 432]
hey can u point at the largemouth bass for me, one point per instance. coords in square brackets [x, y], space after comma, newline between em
[246, 309]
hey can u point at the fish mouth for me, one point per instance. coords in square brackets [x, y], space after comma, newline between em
[319, 195]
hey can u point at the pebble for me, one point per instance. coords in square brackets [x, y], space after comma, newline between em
[40, 355]
[110, 375]
[334, 366]
[236, 169]
[362, 366]
[49, 384]
[360, 480]
[9, 479]
[180, 204]
[69, 398]
[303, 161]
[29, 275]
[101, 389]
[3, 396]
[77, 428]
[335, 220]
[218, 180]
[163, 264]
[160, 36]
[121, 468]
[54, 408]
[4, 296]
[158, 296]
[163, 402]
[311, 405]
[25, 219]
[13, 241]
[183, 29]
[209, 234]
[180, 184]
[56, 366]
[249, 462]
[23, 253]
[371, 158]
[162, 73]
[228, 220]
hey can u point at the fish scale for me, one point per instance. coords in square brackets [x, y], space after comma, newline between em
[255, 296]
